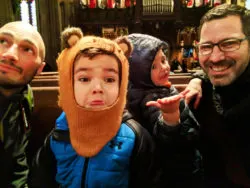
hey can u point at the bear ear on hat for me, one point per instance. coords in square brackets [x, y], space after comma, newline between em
[67, 40]
[125, 45]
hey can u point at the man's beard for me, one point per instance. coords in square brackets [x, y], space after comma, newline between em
[9, 84]
[220, 80]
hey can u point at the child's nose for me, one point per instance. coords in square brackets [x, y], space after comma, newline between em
[97, 87]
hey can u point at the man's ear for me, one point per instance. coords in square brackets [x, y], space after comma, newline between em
[40, 69]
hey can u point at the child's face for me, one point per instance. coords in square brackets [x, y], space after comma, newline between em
[72, 40]
[96, 81]
[160, 69]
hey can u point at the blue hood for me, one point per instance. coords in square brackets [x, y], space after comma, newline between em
[142, 57]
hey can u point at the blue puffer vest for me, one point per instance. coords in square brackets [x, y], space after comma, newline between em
[109, 168]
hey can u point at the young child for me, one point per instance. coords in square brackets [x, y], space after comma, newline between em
[157, 105]
[104, 147]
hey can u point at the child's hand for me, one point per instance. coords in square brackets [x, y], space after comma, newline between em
[193, 91]
[169, 107]
[167, 104]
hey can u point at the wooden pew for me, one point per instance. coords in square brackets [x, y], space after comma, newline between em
[192, 71]
[180, 87]
[180, 79]
[57, 76]
[46, 108]
[44, 82]
[49, 73]
[46, 77]
[53, 82]
[181, 74]
[52, 73]
[45, 112]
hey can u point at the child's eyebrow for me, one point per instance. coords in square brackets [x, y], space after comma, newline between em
[80, 70]
[87, 69]
[111, 70]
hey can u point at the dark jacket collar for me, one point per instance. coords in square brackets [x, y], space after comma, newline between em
[5, 101]
[235, 99]
[238, 85]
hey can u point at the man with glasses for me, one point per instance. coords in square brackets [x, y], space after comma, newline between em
[224, 108]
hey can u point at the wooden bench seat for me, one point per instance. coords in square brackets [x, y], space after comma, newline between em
[180, 79]
[176, 73]
[44, 82]
[46, 111]
[46, 108]
[53, 81]
[46, 77]
[49, 73]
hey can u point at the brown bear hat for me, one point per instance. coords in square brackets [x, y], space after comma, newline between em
[91, 129]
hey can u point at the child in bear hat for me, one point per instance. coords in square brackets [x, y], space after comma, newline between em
[94, 143]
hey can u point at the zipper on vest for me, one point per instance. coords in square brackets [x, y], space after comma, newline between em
[85, 167]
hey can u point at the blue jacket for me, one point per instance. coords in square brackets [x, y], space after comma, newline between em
[126, 161]
[110, 167]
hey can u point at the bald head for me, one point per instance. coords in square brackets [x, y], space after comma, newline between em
[19, 29]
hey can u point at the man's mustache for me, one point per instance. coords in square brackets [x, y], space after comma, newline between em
[11, 63]
[221, 63]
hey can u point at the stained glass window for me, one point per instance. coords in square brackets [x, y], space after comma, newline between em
[248, 4]
[28, 12]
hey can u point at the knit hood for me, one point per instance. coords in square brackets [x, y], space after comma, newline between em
[142, 57]
[90, 129]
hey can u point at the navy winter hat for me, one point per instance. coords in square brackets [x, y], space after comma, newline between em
[142, 57]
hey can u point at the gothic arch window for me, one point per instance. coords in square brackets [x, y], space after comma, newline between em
[248, 4]
[28, 12]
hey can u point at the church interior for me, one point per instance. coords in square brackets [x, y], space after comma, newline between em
[174, 21]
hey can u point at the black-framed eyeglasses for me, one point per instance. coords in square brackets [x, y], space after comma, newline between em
[227, 45]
